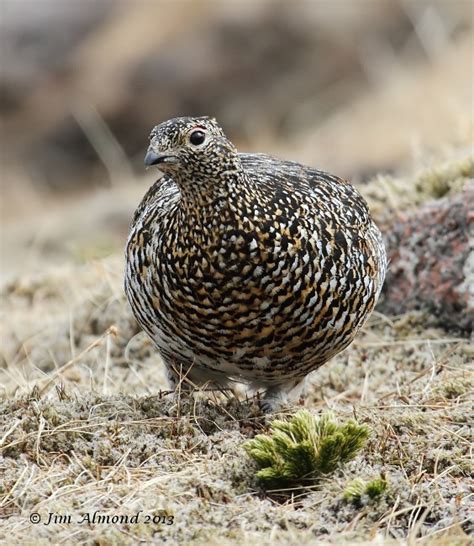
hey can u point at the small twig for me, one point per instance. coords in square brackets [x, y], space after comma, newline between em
[8, 432]
[106, 367]
[15, 485]
[405, 342]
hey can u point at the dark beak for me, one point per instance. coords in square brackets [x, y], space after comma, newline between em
[152, 158]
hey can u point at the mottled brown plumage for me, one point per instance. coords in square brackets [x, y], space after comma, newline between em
[245, 267]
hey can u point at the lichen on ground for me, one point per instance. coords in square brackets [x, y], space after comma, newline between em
[389, 195]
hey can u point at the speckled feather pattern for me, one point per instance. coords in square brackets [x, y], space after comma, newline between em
[242, 266]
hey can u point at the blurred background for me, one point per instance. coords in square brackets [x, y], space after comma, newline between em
[356, 87]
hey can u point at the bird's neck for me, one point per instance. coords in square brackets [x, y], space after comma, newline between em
[205, 195]
[207, 209]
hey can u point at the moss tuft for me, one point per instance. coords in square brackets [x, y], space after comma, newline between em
[306, 447]
[359, 489]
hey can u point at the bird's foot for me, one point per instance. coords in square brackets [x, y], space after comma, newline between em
[273, 400]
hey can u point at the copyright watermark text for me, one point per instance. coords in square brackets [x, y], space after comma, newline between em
[97, 517]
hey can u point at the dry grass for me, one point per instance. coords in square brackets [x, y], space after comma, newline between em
[84, 429]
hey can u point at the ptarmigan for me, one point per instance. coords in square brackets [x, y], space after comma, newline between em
[244, 267]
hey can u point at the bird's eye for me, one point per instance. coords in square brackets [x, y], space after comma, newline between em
[197, 137]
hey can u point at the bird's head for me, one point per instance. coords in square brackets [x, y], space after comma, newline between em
[194, 146]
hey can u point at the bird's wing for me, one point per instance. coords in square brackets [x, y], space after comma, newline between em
[297, 179]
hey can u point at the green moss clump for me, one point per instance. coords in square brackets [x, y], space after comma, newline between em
[358, 489]
[447, 178]
[304, 448]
